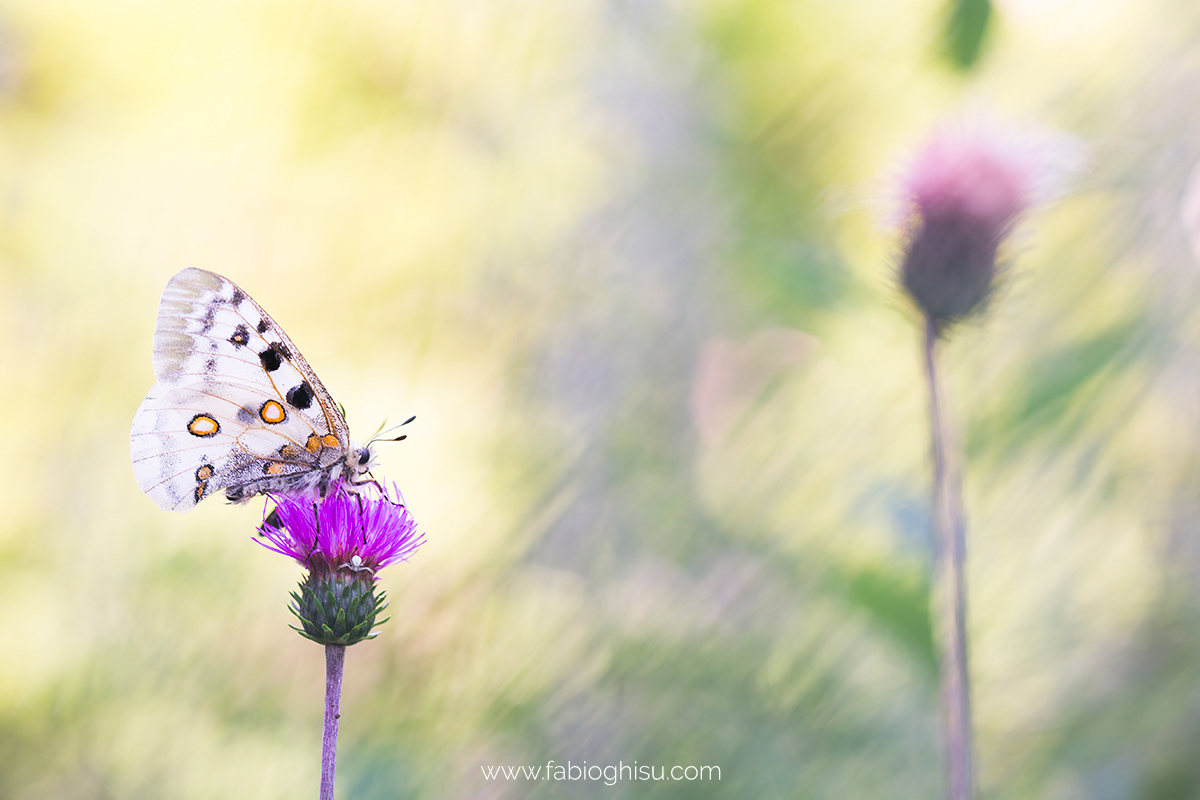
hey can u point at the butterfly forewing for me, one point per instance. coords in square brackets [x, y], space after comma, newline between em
[236, 406]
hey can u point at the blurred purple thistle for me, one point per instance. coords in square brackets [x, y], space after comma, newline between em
[343, 539]
[963, 194]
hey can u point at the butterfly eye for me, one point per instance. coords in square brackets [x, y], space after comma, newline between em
[364, 457]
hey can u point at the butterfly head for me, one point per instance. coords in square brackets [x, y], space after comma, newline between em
[361, 459]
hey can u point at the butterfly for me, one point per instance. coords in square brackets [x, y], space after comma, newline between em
[235, 406]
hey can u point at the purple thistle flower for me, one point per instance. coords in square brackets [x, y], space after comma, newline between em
[355, 533]
[963, 192]
[343, 539]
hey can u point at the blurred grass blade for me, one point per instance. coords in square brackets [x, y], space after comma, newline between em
[966, 27]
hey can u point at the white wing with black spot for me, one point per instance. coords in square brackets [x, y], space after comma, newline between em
[236, 406]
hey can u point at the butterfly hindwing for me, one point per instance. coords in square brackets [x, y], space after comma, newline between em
[236, 406]
[190, 441]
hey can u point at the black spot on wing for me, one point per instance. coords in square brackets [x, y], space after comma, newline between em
[301, 395]
[262, 326]
[238, 297]
[270, 359]
[241, 336]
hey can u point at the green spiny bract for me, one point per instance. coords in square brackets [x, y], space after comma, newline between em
[337, 608]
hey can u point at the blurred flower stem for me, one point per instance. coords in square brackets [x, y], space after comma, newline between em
[950, 594]
[963, 193]
[335, 657]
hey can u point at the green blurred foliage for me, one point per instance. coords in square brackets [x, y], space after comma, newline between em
[630, 265]
[966, 27]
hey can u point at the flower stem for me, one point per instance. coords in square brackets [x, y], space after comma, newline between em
[335, 656]
[950, 598]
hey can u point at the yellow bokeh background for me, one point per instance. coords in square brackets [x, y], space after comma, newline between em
[629, 264]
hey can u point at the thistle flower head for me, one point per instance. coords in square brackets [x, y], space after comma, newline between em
[962, 192]
[343, 539]
[356, 533]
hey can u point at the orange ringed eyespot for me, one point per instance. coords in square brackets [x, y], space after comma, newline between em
[204, 425]
[272, 412]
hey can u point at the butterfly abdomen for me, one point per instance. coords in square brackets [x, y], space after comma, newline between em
[296, 483]
[316, 482]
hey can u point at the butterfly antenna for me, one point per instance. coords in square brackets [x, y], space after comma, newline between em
[378, 434]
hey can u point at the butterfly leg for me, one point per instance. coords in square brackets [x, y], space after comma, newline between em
[317, 535]
[370, 481]
[361, 513]
[273, 521]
